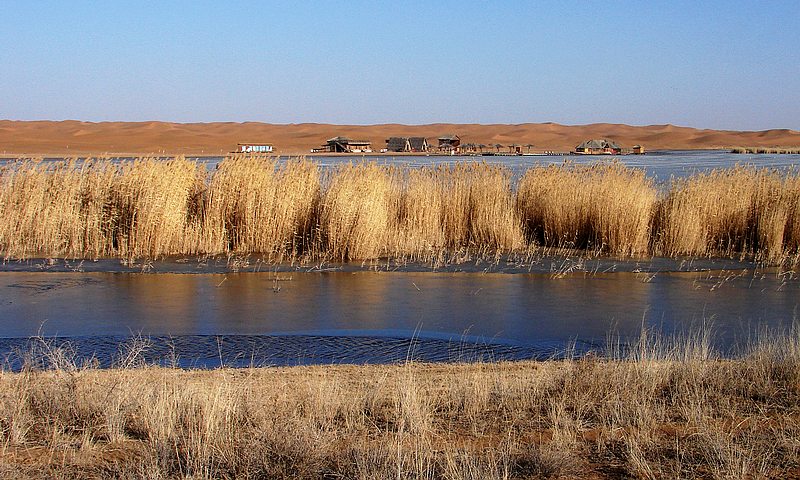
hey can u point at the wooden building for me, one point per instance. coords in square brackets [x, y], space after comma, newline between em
[449, 143]
[598, 147]
[398, 144]
[406, 144]
[346, 145]
[418, 144]
[638, 150]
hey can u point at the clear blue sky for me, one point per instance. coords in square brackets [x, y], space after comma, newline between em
[732, 65]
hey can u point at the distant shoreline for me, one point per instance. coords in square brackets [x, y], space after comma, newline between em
[73, 138]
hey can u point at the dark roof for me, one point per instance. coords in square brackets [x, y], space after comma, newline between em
[449, 137]
[347, 141]
[397, 144]
[598, 144]
[418, 143]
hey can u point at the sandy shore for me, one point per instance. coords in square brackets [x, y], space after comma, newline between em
[75, 137]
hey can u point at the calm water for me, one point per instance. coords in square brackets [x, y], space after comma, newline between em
[660, 165]
[373, 316]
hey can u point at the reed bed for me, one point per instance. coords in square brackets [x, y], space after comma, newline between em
[770, 150]
[252, 204]
[664, 408]
[295, 210]
[742, 210]
[604, 207]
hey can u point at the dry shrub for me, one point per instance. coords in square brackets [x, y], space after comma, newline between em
[742, 210]
[605, 207]
[256, 205]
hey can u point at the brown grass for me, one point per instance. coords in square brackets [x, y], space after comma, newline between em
[770, 150]
[734, 211]
[605, 207]
[662, 409]
[255, 205]
[296, 210]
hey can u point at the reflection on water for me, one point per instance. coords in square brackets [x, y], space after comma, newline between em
[528, 311]
[660, 165]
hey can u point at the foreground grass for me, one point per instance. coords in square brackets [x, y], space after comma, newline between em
[657, 411]
[297, 211]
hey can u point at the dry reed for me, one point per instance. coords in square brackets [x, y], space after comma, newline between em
[742, 210]
[604, 207]
[255, 205]
[660, 409]
[359, 209]
[294, 209]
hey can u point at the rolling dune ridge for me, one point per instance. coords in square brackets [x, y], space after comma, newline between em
[75, 137]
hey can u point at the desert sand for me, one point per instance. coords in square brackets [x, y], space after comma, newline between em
[76, 137]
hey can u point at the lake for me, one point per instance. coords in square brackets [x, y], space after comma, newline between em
[301, 317]
[196, 313]
[660, 165]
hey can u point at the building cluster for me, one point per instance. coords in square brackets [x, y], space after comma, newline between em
[446, 145]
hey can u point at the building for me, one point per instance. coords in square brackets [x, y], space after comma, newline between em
[418, 144]
[253, 148]
[406, 144]
[598, 147]
[398, 144]
[346, 145]
[638, 150]
[449, 143]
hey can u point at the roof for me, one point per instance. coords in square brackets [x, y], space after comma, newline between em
[449, 137]
[598, 144]
[397, 143]
[418, 143]
[347, 141]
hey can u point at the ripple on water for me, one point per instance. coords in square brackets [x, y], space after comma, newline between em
[212, 351]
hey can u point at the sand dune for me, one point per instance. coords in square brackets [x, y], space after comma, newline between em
[75, 137]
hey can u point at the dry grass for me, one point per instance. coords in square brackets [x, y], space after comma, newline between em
[771, 150]
[255, 205]
[605, 207]
[663, 409]
[296, 210]
[734, 211]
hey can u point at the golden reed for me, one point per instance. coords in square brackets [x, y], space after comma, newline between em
[295, 209]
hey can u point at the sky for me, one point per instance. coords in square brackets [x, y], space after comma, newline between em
[714, 64]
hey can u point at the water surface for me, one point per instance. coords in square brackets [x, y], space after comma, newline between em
[516, 315]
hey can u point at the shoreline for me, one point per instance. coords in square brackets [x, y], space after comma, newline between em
[665, 410]
[76, 137]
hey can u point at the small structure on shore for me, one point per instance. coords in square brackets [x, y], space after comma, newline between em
[346, 145]
[449, 143]
[398, 144]
[418, 144]
[598, 147]
[253, 148]
[638, 150]
[406, 144]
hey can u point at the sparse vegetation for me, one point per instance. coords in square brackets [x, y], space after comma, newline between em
[763, 150]
[660, 409]
[150, 208]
